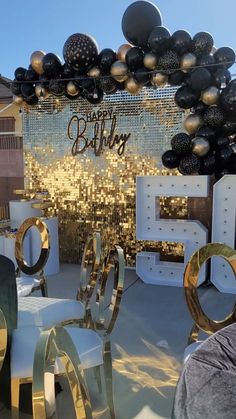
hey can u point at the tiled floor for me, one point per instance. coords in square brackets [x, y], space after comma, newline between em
[147, 344]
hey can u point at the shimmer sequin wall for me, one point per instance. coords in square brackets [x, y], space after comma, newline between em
[98, 191]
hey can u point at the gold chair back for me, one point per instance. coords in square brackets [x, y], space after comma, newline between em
[202, 321]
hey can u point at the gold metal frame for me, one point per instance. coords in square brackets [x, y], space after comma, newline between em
[37, 268]
[202, 321]
[3, 338]
[52, 344]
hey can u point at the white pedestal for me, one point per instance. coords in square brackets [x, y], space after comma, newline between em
[2, 244]
[52, 265]
[9, 248]
[20, 210]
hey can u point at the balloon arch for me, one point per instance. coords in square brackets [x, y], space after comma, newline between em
[151, 58]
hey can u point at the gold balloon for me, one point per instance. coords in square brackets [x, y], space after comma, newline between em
[121, 53]
[192, 123]
[150, 61]
[36, 60]
[119, 71]
[94, 72]
[200, 146]
[18, 100]
[72, 89]
[159, 79]
[132, 86]
[41, 91]
[210, 96]
[188, 61]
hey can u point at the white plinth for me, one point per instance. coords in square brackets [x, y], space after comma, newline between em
[1, 245]
[52, 265]
[20, 210]
[9, 248]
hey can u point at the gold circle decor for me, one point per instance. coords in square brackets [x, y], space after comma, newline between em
[55, 344]
[191, 281]
[45, 245]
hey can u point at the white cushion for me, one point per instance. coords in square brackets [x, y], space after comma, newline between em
[88, 343]
[25, 285]
[46, 312]
[190, 349]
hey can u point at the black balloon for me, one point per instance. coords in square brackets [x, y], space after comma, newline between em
[96, 97]
[225, 56]
[80, 51]
[138, 21]
[202, 43]
[52, 65]
[108, 85]
[177, 78]
[229, 128]
[169, 62]
[186, 98]
[170, 159]
[223, 157]
[221, 77]
[214, 117]
[228, 97]
[207, 166]
[32, 100]
[20, 74]
[200, 108]
[181, 143]
[220, 174]
[16, 88]
[105, 59]
[44, 80]
[206, 132]
[181, 41]
[87, 85]
[67, 71]
[189, 165]
[207, 61]
[31, 75]
[134, 58]
[159, 39]
[221, 142]
[27, 90]
[142, 76]
[232, 164]
[200, 79]
[57, 87]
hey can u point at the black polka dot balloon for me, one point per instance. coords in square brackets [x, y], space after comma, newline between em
[80, 51]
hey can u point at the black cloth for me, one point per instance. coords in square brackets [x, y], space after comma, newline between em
[207, 385]
[8, 304]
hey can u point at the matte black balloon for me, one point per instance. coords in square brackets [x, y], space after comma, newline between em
[207, 61]
[87, 85]
[229, 128]
[31, 75]
[32, 100]
[181, 143]
[200, 79]
[27, 90]
[138, 21]
[142, 76]
[80, 51]
[159, 39]
[106, 58]
[207, 166]
[228, 97]
[108, 85]
[170, 159]
[202, 43]
[189, 165]
[169, 62]
[67, 71]
[232, 164]
[221, 77]
[16, 88]
[134, 58]
[214, 117]
[177, 78]
[225, 56]
[96, 97]
[56, 87]
[200, 108]
[186, 98]
[181, 41]
[44, 80]
[207, 133]
[121, 86]
[223, 157]
[52, 65]
[20, 74]
[221, 142]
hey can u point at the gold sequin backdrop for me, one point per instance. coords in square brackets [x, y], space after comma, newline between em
[98, 192]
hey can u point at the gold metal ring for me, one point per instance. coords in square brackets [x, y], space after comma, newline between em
[190, 285]
[3, 338]
[45, 245]
[52, 344]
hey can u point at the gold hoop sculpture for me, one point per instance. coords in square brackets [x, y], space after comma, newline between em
[57, 344]
[3, 338]
[202, 321]
[44, 253]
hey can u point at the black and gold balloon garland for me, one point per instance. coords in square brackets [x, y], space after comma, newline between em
[152, 58]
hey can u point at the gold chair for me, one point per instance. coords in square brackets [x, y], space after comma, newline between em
[202, 321]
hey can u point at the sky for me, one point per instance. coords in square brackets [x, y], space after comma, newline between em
[29, 25]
